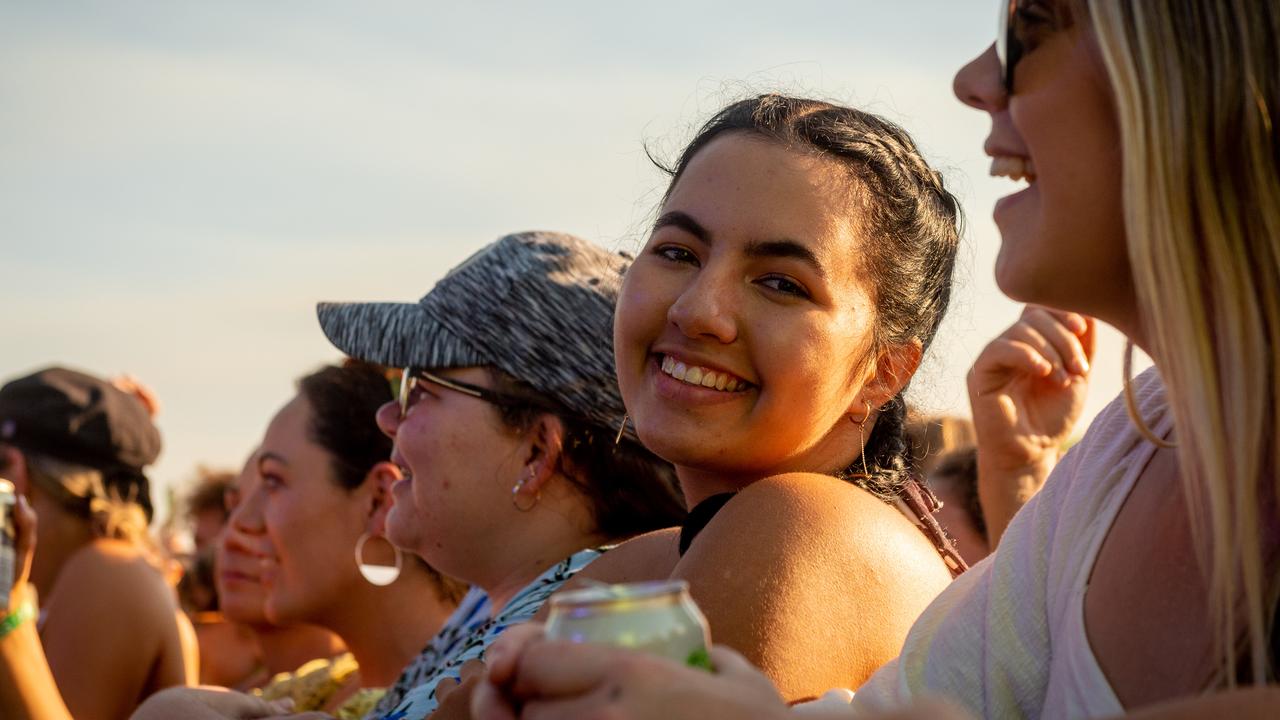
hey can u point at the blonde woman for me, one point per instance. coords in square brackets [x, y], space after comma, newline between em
[107, 629]
[1143, 578]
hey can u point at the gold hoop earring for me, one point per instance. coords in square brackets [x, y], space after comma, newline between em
[862, 440]
[515, 495]
[622, 429]
[1131, 403]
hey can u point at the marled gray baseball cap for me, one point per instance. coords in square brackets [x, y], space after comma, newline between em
[536, 305]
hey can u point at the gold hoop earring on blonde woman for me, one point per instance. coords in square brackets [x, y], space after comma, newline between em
[1131, 403]
[380, 575]
[518, 490]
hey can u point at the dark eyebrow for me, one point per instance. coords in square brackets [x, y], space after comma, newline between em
[785, 249]
[685, 222]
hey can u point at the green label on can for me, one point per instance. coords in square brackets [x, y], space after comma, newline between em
[700, 659]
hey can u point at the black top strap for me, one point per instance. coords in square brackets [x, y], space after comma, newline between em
[699, 516]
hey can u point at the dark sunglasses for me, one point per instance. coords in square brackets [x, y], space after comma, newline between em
[410, 378]
[1008, 46]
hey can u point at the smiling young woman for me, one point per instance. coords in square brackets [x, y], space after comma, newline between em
[798, 268]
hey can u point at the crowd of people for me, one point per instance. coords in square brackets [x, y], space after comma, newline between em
[728, 408]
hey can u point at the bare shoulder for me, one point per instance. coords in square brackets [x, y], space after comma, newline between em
[114, 559]
[650, 556]
[134, 583]
[813, 579]
[110, 591]
[823, 511]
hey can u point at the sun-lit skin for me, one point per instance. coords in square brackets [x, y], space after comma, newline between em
[454, 506]
[237, 561]
[305, 570]
[460, 464]
[752, 271]
[1062, 238]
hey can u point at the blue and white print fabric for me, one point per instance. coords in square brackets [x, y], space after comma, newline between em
[466, 635]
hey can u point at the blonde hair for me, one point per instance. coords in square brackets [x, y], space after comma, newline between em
[82, 491]
[1195, 86]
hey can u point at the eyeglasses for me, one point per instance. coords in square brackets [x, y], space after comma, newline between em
[410, 378]
[1008, 47]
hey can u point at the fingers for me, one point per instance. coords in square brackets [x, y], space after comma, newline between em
[1003, 360]
[1046, 344]
[1062, 332]
[471, 669]
[488, 703]
[586, 706]
[1089, 339]
[551, 669]
[728, 661]
[24, 525]
[503, 655]
[444, 687]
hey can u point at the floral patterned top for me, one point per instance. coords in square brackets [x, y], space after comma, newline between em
[313, 685]
[465, 636]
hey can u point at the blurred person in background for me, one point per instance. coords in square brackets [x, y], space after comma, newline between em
[228, 650]
[206, 506]
[110, 632]
[954, 481]
[313, 520]
[250, 650]
[929, 437]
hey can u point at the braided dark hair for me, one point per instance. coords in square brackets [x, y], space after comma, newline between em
[913, 224]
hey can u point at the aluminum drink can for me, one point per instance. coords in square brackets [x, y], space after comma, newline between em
[656, 617]
[8, 541]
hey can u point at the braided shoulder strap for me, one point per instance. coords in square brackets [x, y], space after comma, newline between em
[921, 504]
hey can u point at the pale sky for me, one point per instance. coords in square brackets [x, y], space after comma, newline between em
[181, 181]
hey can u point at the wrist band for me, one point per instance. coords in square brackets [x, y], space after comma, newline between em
[14, 619]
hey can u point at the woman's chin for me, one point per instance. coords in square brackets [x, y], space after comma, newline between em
[1016, 281]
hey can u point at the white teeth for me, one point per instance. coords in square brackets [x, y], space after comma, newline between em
[1013, 167]
[700, 376]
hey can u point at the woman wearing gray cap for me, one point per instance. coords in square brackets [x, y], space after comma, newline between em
[506, 433]
[109, 625]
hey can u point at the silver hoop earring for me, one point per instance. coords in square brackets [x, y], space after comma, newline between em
[515, 495]
[380, 575]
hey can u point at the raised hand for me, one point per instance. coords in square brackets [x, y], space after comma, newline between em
[1026, 391]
